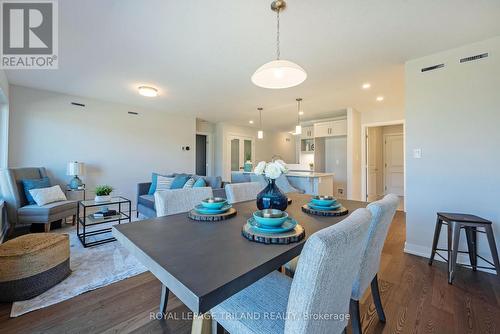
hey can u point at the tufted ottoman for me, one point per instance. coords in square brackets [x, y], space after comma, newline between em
[32, 264]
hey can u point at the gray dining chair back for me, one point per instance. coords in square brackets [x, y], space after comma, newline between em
[241, 192]
[325, 273]
[173, 201]
[382, 215]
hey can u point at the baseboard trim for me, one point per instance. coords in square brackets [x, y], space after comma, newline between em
[425, 252]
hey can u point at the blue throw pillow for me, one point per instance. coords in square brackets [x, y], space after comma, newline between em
[200, 183]
[29, 184]
[179, 181]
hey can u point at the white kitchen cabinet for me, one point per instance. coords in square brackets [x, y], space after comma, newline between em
[307, 132]
[330, 129]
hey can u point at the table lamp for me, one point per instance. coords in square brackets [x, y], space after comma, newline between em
[75, 168]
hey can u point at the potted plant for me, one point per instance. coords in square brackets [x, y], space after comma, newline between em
[248, 163]
[102, 193]
[271, 197]
[311, 166]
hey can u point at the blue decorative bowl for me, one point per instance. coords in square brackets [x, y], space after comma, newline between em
[323, 200]
[324, 208]
[205, 211]
[215, 203]
[288, 225]
[270, 217]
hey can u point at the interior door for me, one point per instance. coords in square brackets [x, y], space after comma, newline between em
[371, 164]
[201, 155]
[394, 164]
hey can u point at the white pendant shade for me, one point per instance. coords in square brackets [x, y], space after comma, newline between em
[298, 130]
[260, 134]
[279, 74]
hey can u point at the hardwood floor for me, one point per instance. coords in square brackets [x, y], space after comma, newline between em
[416, 299]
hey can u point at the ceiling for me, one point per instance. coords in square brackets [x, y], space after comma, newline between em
[201, 53]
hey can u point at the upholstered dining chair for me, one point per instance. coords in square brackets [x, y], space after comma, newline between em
[320, 289]
[241, 192]
[382, 215]
[171, 202]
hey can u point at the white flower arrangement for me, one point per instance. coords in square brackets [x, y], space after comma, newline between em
[271, 170]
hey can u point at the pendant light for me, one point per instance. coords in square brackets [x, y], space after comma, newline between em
[279, 73]
[298, 127]
[260, 133]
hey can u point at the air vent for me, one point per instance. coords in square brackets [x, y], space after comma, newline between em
[78, 104]
[133, 113]
[472, 58]
[431, 68]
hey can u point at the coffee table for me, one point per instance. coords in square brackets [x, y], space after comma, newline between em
[87, 223]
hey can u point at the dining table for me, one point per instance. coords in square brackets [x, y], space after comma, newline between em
[205, 263]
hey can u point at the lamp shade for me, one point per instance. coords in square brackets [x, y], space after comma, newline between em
[75, 168]
[279, 74]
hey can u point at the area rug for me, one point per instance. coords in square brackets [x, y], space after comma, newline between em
[92, 268]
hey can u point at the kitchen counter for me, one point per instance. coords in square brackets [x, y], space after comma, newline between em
[308, 174]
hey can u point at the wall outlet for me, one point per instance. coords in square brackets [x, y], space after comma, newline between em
[340, 191]
[417, 153]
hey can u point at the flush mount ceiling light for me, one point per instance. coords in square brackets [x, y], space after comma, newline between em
[380, 98]
[298, 127]
[260, 133]
[251, 122]
[148, 91]
[279, 73]
[366, 86]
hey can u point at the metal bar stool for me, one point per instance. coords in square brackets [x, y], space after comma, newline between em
[455, 222]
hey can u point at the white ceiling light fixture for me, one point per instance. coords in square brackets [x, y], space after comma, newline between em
[260, 133]
[251, 122]
[301, 113]
[366, 86]
[148, 91]
[380, 98]
[298, 127]
[279, 74]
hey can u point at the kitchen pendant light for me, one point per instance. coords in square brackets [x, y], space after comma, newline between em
[260, 133]
[298, 127]
[278, 73]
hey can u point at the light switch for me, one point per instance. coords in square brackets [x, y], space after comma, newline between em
[417, 153]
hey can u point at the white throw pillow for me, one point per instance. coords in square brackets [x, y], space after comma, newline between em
[189, 183]
[44, 196]
[163, 182]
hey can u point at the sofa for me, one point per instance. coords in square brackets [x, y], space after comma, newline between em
[146, 202]
[19, 211]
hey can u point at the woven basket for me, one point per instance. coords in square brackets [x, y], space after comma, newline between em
[32, 264]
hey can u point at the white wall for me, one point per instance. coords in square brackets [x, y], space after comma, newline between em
[453, 115]
[353, 154]
[336, 162]
[118, 149]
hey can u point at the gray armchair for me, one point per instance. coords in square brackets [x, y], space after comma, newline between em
[19, 211]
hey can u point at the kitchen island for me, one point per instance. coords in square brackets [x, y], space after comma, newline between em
[312, 183]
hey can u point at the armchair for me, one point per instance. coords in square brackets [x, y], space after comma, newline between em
[19, 211]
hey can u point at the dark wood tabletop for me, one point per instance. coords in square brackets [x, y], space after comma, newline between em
[204, 263]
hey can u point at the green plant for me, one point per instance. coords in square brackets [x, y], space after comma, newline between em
[103, 190]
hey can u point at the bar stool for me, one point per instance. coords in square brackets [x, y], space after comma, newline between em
[455, 222]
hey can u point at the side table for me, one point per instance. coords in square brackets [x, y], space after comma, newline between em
[87, 223]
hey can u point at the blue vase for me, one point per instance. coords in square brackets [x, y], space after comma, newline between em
[272, 198]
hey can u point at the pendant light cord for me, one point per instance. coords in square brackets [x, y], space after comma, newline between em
[278, 35]
[298, 112]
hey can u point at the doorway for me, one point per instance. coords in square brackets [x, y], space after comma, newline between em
[240, 149]
[383, 171]
[201, 155]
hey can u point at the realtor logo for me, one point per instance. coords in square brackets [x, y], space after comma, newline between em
[29, 34]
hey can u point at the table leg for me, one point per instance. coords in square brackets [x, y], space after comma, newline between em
[164, 299]
[202, 324]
